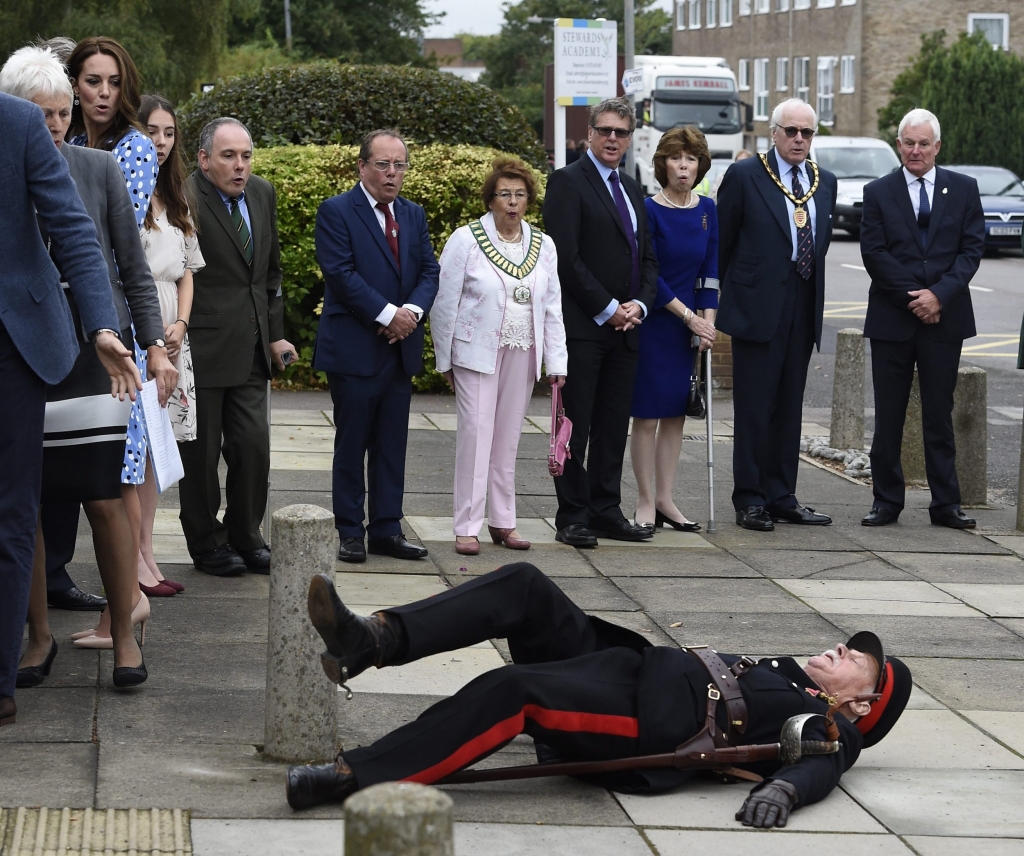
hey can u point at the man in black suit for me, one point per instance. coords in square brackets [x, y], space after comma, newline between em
[236, 332]
[774, 229]
[608, 274]
[922, 237]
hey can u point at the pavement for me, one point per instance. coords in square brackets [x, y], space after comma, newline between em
[175, 766]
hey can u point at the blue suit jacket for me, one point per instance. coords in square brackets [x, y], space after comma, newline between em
[898, 262]
[361, 278]
[34, 180]
[755, 246]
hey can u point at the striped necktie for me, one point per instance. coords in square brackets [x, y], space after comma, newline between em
[243, 231]
[804, 236]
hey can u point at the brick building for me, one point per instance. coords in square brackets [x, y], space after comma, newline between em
[839, 55]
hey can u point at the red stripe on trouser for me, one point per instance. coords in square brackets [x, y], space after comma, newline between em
[502, 732]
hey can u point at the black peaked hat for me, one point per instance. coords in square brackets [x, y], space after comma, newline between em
[894, 685]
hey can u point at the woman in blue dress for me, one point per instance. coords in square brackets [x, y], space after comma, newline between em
[684, 228]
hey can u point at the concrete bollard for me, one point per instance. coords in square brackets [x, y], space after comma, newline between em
[301, 713]
[1020, 485]
[970, 426]
[399, 819]
[847, 430]
[912, 451]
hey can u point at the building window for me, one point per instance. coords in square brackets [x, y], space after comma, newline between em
[826, 4]
[762, 7]
[681, 14]
[847, 2]
[726, 16]
[761, 89]
[712, 10]
[801, 4]
[996, 28]
[847, 81]
[694, 14]
[744, 74]
[826, 91]
[744, 7]
[782, 73]
[802, 77]
[781, 5]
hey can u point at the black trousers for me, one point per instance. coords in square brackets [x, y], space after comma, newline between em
[892, 373]
[570, 687]
[768, 394]
[231, 421]
[21, 466]
[60, 534]
[597, 397]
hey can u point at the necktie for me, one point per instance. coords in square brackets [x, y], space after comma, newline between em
[924, 212]
[627, 224]
[804, 237]
[241, 228]
[390, 231]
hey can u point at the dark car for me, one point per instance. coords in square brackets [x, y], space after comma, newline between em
[1002, 198]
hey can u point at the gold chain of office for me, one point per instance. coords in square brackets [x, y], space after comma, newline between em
[799, 212]
[494, 256]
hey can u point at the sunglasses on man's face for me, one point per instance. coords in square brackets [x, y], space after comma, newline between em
[805, 133]
[618, 133]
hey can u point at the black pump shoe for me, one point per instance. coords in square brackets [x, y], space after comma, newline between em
[32, 676]
[130, 676]
[313, 784]
[353, 643]
[660, 520]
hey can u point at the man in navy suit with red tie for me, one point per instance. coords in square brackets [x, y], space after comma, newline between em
[922, 237]
[380, 276]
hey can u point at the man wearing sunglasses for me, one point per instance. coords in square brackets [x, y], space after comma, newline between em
[774, 227]
[380, 280]
[608, 274]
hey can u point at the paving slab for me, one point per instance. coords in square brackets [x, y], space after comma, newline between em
[666, 538]
[1015, 543]
[704, 804]
[48, 714]
[914, 534]
[959, 567]
[306, 461]
[51, 774]
[969, 803]
[913, 740]
[299, 417]
[857, 597]
[440, 529]
[440, 674]
[1005, 726]
[367, 716]
[936, 846]
[962, 684]
[670, 842]
[1015, 625]
[999, 601]
[814, 564]
[640, 623]
[916, 636]
[509, 839]
[200, 668]
[258, 837]
[736, 540]
[597, 594]
[753, 633]
[683, 596]
[379, 591]
[613, 561]
[318, 437]
[555, 561]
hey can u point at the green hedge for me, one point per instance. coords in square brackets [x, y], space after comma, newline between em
[445, 180]
[328, 103]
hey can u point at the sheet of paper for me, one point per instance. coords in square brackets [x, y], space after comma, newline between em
[163, 449]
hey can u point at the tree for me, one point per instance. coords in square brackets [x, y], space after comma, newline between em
[974, 90]
[516, 58]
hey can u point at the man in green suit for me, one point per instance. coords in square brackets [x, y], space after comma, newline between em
[236, 332]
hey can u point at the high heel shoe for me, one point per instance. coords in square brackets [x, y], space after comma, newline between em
[161, 589]
[130, 676]
[505, 536]
[686, 526]
[32, 676]
[178, 587]
[647, 527]
[140, 615]
[468, 548]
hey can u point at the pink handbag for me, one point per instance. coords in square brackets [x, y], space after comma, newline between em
[561, 433]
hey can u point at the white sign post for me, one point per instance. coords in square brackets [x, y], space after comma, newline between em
[586, 55]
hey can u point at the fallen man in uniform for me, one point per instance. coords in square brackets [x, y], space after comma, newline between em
[588, 690]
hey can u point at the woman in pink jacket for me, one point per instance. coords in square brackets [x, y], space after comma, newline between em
[497, 317]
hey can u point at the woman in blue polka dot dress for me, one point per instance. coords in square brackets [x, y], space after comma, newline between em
[104, 116]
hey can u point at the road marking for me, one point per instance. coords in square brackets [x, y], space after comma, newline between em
[854, 267]
[980, 288]
[1009, 412]
[996, 340]
[853, 310]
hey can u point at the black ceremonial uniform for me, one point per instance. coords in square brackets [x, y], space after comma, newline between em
[584, 689]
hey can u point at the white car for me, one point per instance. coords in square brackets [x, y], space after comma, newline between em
[855, 161]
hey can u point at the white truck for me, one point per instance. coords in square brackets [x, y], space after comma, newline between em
[687, 90]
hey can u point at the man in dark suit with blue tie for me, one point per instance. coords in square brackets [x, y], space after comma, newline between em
[38, 341]
[922, 238]
[380, 277]
[774, 229]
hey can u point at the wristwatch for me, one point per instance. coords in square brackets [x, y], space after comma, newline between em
[158, 343]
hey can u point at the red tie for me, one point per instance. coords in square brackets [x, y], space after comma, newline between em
[390, 232]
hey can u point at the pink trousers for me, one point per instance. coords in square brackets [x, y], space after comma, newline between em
[490, 410]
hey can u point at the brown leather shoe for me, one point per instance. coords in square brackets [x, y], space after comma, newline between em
[468, 548]
[8, 711]
[505, 536]
[313, 784]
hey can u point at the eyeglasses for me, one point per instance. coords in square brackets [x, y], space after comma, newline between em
[506, 195]
[384, 166]
[618, 133]
[805, 133]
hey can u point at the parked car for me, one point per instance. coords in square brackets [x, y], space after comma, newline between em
[855, 161]
[1002, 198]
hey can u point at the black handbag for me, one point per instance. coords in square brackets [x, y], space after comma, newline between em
[696, 404]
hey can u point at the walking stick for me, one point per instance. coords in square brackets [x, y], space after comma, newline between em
[712, 528]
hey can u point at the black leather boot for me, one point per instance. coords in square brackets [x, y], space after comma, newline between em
[353, 643]
[315, 784]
